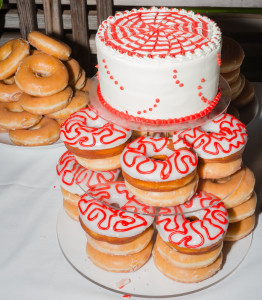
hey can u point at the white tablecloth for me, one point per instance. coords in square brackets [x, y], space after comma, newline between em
[32, 265]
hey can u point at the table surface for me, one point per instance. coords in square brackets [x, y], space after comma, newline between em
[32, 265]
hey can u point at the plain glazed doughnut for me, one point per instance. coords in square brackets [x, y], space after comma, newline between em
[47, 104]
[219, 145]
[238, 230]
[132, 247]
[233, 190]
[9, 92]
[75, 180]
[157, 173]
[96, 143]
[79, 100]
[81, 81]
[49, 45]
[41, 75]
[244, 210]
[11, 54]
[185, 275]
[74, 70]
[119, 263]
[195, 227]
[187, 261]
[12, 116]
[232, 76]
[45, 132]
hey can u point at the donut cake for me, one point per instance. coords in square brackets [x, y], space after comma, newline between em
[153, 61]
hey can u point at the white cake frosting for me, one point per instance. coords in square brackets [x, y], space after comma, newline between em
[158, 63]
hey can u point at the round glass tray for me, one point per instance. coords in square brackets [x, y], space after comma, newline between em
[116, 197]
[111, 117]
[147, 281]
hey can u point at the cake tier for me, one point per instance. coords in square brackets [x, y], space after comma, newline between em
[158, 64]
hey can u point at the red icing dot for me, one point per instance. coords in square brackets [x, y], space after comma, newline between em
[139, 112]
[105, 66]
[116, 82]
[174, 76]
[144, 111]
[199, 94]
[108, 72]
[199, 87]
[175, 71]
[202, 80]
[155, 105]
[157, 100]
[111, 77]
[181, 84]
[121, 88]
[202, 98]
[103, 60]
[177, 82]
[150, 109]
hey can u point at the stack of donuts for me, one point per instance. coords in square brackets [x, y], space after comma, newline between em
[39, 89]
[195, 179]
[242, 90]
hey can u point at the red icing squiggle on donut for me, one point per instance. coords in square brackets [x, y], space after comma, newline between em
[210, 227]
[76, 131]
[137, 158]
[143, 120]
[229, 136]
[96, 213]
[72, 173]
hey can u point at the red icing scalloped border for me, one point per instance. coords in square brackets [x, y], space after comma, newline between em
[157, 121]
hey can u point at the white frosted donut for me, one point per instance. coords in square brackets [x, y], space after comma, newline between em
[76, 179]
[199, 223]
[140, 160]
[85, 130]
[219, 138]
[113, 222]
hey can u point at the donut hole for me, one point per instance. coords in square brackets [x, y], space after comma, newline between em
[159, 157]
[192, 218]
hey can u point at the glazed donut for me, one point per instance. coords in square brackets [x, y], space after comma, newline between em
[232, 76]
[74, 70]
[75, 180]
[244, 210]
[185, 275]
[9, 92]
[12, 116]
[49, 45]
[219, 145]
[113, 225]
[9, 80]
[81, 81]
[97, 144]
[46, 104]
[187, 261]
[41, 75]
[233, 190]
[238, 230]
[119, 263]
[11, 54]
[197, 226]
[246, 96]
[157, 174]
[46, 132]
[79, 100]
[236, 92]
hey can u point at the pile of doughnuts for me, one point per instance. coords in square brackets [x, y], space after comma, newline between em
[39, 89]
[194, 178]
[242, 90]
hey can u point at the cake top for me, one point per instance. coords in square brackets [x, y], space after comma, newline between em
[160, 33]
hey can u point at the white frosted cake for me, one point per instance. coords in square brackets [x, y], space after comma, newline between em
[158, 65]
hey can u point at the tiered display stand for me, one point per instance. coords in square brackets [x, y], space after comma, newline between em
[147, 281]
